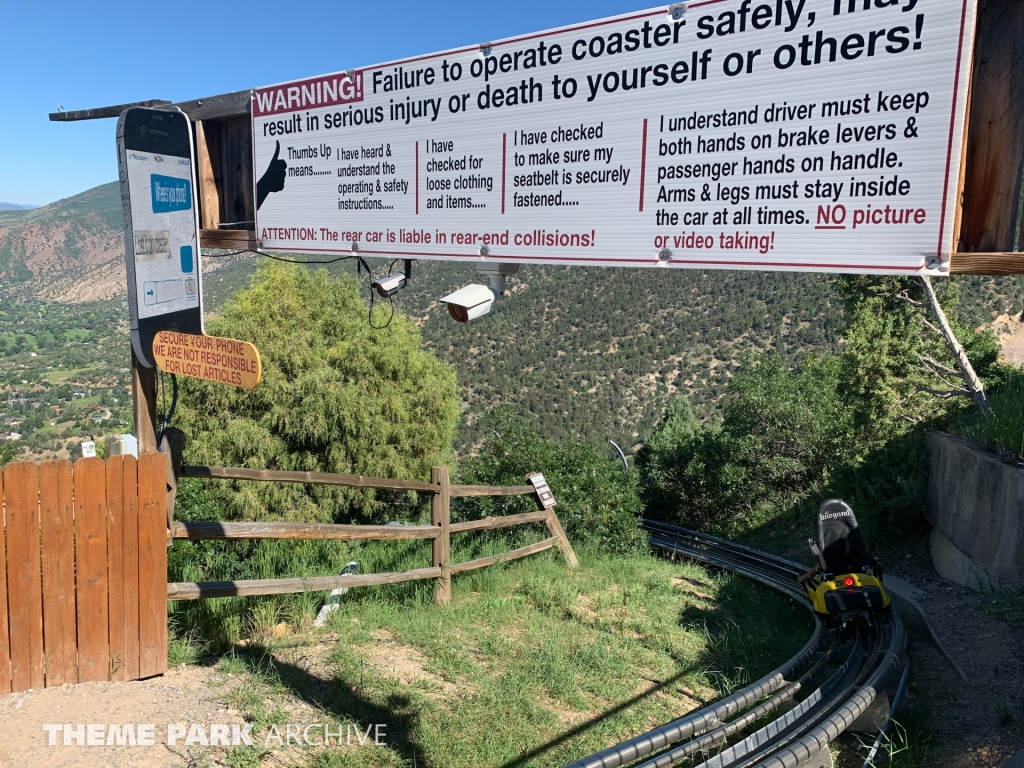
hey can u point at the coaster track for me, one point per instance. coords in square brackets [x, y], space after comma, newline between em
[789, 716]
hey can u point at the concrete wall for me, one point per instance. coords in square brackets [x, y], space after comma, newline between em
[976, 503]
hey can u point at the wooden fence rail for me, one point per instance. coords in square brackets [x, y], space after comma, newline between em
[83, 571]
[83, 558]
[438, 532]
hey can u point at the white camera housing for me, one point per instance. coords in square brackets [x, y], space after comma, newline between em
[469, 303]
[390, 285]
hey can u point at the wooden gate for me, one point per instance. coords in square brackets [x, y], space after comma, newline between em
[83, 587]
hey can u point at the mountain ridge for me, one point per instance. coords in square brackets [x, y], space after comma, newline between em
[579, 353]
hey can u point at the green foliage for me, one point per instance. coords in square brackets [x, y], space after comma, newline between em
[781, 435]
[1003, 430]
[598, 502]
[337, 396]
[849, 425]
[593, 354]
[8, 453]
[886, 375]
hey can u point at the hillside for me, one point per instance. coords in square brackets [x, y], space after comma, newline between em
[586, 353]
[76, 236]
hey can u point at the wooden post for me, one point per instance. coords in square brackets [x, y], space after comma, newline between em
[555, 527]
[992, 207]
[144, 405]
[172, 443]
[440, 515]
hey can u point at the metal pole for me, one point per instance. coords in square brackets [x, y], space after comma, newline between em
[621, 454]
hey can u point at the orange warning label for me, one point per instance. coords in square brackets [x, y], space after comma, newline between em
[225, 361]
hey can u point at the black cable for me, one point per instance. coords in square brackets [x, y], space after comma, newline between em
[174, 404]
[360, 265]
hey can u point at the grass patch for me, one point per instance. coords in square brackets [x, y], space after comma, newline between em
[531, 664]
[1003, 430]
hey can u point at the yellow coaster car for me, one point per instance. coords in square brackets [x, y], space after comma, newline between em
[846, 581]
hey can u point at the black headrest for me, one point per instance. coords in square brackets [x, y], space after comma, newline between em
[839, 537]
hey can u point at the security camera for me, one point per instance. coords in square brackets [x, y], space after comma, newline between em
[390, 285]
[496, 274]
[469, 303]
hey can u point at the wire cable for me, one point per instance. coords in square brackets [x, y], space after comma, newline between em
[174, 405]
[360, 266]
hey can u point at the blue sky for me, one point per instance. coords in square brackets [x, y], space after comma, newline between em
[91, 54]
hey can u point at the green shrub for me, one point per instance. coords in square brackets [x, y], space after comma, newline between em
[1003, 430]
[337, 395]
[849, 425]
[783, 434]
[598, 500]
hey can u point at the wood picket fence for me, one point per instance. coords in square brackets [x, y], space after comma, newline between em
[83, 557]
[83, 585]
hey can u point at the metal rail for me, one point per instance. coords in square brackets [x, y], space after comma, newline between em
[825, 687]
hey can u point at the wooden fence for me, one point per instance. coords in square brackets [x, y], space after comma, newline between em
[438, 532]
[83, 558]
[83, 584]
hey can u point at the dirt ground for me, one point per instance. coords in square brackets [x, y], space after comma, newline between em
[183, 695]
[979, 724]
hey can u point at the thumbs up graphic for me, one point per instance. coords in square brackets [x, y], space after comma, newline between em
[273, 179]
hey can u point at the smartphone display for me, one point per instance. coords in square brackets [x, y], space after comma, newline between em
[157, 173]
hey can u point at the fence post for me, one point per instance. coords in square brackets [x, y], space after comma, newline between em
[440, 515]
[555, 527]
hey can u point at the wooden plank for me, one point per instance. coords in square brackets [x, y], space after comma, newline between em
[219, 107]
[311, 478]
[209, 197]
[986, 264]
[991, 217]
[101, 112]
[555, 527]
[490, 523]
[115, 568]
[5, 645]
[91, 563]
[57, 528]
[152, 469]
[440, 516]
[130, 549]
[144, 405]
[515, 554]
[194, 590]
[229, 239]
[490, 490]
[217, 531]
[236, 173]
[24, 579]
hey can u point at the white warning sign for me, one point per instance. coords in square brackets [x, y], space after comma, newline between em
[820, 135]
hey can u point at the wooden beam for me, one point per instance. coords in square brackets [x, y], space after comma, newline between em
[310, 478]
[209, 197]
[506, 521]
[991, 216]
[220, 531]
[986, 264]
[220, 107]
[144, 405]
[491, 490]
[440, 516]
[195, 590]
[515, 554]
[229, 239]
[102, 112]
[556, 530]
